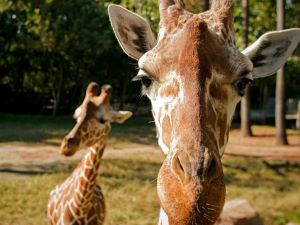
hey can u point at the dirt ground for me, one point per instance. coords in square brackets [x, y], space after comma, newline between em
[18, 158]
[263, 145]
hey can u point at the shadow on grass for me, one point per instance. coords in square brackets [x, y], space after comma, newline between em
[27, 128]
[37, 169]
[254, 173]
[41, 129]
[110, 169]
[21, 172]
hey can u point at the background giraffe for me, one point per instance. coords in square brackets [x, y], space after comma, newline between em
[79, 200]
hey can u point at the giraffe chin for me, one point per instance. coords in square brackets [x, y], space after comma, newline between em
[192, 202]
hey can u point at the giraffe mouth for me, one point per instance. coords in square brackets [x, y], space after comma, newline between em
[191, 202]
[67, 153]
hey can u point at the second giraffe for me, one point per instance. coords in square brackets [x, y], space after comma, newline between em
[79, 200]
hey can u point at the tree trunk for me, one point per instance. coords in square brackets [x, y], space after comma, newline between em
[281, 137]
[56, 91]
[245, 114]
[245, 104]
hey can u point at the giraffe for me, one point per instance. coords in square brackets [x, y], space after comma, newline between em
[194, 77]
[79, 200]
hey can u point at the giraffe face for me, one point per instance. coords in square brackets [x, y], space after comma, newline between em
[193, 99]
[204, 77]
[190, 77]
[93, 118]
[194, 88]
[194, 77]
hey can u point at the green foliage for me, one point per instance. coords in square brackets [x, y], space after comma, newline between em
[148, 9]
[53, 48]
[56, 47]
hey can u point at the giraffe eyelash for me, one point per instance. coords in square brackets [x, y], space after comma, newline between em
[145, 80]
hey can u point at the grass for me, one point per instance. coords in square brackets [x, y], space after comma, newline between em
[129, 181]
[30, 129]
[129, 186]
[273, 188]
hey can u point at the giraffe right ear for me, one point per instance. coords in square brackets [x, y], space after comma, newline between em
[132, 31]
[271, 51]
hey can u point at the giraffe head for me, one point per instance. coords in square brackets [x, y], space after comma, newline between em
[93, 118]
[195, 76]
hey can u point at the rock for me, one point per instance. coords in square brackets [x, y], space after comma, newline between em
[239, 212]
[293, 224]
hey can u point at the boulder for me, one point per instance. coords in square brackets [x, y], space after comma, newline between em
[239, 212]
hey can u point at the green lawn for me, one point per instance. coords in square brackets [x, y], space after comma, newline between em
[129, 186]
[50, 130]
[129, 181]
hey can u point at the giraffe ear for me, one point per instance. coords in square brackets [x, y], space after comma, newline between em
[132, 31]
[271, 50]
[121, 116]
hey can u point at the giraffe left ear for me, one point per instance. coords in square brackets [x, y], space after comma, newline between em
[271, 50]
[132, 31]
[121, 116]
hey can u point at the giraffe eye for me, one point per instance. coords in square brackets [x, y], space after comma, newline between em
[101, 120]
[242, 84]
[145, 80]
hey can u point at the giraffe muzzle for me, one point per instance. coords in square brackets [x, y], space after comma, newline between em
[69, 146]
[204, 166]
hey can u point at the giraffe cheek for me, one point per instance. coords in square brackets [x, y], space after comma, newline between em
[166, 131]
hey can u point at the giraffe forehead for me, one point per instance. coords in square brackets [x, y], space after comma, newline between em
[183, 49]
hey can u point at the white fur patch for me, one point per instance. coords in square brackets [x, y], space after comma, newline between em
[163, 218]
[161, 34]
[164, 106]
[77, 114]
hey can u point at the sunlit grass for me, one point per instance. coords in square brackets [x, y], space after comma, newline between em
[273, 188]
[129, 180]
[129, 186]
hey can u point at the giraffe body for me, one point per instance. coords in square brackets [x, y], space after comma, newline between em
[79, 200]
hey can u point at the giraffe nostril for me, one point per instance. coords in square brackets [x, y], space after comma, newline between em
[178, 168]
[205, 165]
[211, 167]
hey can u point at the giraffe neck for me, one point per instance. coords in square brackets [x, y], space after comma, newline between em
[88, 171]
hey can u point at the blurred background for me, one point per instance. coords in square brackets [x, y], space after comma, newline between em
[51, 49]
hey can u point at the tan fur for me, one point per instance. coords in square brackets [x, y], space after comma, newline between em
[194, 68]
[199, 49]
